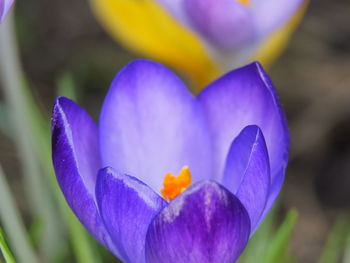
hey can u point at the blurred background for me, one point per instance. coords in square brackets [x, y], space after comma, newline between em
[61, 40]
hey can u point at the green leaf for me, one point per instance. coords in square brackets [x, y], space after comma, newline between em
[277, 249]
[16, 97]
[32, 136]
[84, 250]
[335, 243]
[35, 231]
[5, 249]
[13, 224]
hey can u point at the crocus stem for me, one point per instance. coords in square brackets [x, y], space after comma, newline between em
[11, 80]
[11, 220]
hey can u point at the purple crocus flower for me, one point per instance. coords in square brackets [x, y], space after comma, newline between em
[4, 8]
[230, 24]
[231, 141]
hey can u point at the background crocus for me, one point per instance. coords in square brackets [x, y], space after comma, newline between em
[5, 6]
[232, 139]
[202, 38]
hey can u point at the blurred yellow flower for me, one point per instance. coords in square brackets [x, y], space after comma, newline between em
[201, 38]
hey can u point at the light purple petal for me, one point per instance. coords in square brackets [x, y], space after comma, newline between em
[245, 97]
[225, 23]
[150, 125]
[247, 172]
[127, 207]
[76, 161]
[5, 6]
[205, 224]
[270, 15]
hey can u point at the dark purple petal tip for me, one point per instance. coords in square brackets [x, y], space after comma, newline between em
[204, 224]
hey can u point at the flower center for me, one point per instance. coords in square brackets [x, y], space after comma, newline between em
[244, 2]
[175, 185]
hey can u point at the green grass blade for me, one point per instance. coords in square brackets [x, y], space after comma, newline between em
[84, 250]
[38, 128]
[278, 246]
[40, 199]
[6, 252]
[335, 243]
[12, 222]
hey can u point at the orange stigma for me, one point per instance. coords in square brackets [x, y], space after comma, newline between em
[175, 185]
[244, 2]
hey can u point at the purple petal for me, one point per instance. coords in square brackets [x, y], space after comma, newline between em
[76, 161]
[269, 15]
[5, 6]
[225, 23]
[247, 172]
[204, 224]
[150, 125]
[245, 97]
[127, 207]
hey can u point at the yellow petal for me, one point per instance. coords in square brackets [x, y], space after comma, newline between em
[146, 28]
[273, 47]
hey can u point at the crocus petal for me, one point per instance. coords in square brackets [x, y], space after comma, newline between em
[245, 97]
[247, 172]
[271, 15]
[225, 23]
[204, 224]
[5, 6]
[150, 125]
[76, 161]
[127, 207]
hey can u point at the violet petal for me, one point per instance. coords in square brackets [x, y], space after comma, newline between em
[151, 125]
[76, 161]
[127, 207]
[247, 172]
[245, 97]
[204, 224]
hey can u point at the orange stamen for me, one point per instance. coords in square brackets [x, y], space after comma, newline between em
[244, 2]
[175, 185]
